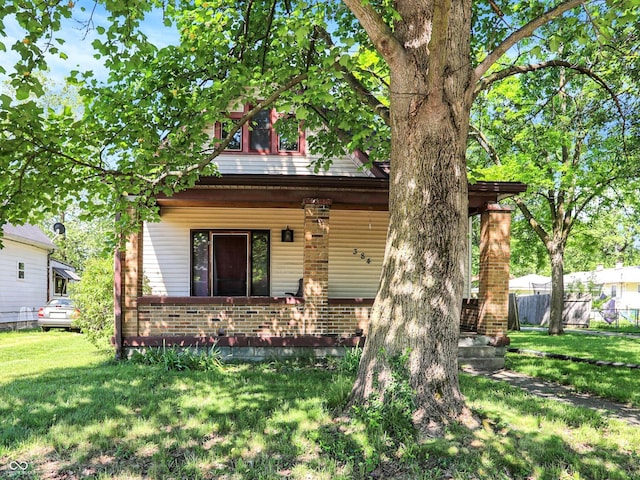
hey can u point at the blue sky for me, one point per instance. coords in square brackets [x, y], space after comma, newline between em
[78, 40]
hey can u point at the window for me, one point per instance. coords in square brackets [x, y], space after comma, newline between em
[59, 285]
[259, 135]
[230, 263]
[614, 290]
[20, 270]
[260, 132]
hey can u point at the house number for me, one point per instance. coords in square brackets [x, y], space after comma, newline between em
[363, 256]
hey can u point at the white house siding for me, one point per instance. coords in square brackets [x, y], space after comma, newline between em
[167, 249]
[21, 298]
[285, 165]
[355, 234]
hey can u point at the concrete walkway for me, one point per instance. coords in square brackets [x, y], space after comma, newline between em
[563, 393]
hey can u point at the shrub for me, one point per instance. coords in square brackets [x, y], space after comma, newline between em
[177, 359]
[93, 296]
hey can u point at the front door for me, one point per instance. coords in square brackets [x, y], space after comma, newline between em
[230, 264]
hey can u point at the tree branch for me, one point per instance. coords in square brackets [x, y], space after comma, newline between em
[363, 92]
[485, 144]
[542, 234]
[524, 32]
[518, 69]
[378, 31]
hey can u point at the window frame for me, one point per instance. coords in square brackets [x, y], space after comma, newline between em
[249, 260]
[274, 138]
[21, 270]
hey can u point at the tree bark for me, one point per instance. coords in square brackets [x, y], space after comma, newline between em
[417, 308]
[556, 254]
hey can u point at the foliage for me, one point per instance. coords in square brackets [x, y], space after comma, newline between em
[569, 134]
[93, 296]
[180, 359]
[350, 361]
[390, 417]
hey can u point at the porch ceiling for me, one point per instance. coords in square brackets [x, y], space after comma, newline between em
[346, 193]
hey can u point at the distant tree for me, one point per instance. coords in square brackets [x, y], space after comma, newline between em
[567, 135]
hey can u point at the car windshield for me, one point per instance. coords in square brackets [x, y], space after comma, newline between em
[60, 302]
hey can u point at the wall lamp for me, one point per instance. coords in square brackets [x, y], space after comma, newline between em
[287, 235]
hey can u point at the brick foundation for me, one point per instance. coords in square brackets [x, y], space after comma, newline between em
[248, 317]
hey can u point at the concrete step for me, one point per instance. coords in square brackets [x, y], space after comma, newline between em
[474, 351]
[480, 352]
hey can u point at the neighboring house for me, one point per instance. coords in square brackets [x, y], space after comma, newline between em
[272, 255]
[60, 275]
[24, 266]
[620, 283]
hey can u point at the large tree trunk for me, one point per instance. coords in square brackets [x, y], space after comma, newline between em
[556, 254]
[417, 308]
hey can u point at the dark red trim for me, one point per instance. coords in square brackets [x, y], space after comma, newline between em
[219, 300]
[117, 302]
[351, 301]
[207, 341]
[274, 138]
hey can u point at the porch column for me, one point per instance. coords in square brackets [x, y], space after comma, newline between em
[132, 278]
[495, 252]
[315, 275]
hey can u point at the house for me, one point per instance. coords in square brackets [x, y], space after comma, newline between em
[61, 274]
[272, 256]
[620, 283]
[24, 279]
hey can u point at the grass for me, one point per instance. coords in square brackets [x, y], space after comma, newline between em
[67, 411]
[617, 383]
[621, 326]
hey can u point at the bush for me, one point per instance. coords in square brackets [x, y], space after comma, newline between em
[93, 296]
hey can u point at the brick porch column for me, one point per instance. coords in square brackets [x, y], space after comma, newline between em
[495, 252]
[315, 275]
[132, 277]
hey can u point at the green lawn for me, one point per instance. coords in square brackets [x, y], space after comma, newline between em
[617, 383]
[68, 411]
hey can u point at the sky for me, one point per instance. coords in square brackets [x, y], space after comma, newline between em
[78, 40]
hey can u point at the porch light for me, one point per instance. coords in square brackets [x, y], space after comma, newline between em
[287, 235]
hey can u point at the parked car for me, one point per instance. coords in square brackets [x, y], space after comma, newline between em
[58, 313]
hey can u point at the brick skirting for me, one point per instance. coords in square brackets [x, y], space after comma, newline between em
[248, 317]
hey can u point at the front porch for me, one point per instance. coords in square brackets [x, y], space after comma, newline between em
[318, 322]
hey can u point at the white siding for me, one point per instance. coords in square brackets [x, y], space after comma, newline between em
[285, 165]
[21, 298]
[362, 232]
[166, 254]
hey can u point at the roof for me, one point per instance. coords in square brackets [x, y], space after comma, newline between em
[528, 281]
[287, 191]
[68, 274]
[28, 234]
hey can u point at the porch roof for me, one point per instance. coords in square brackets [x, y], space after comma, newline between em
[280, 191]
